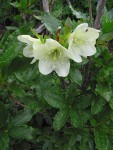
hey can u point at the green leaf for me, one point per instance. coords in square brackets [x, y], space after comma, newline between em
[106, 37]
[15, 4]
[22, 117]
[97, 105]
[57, 12]
[67, 27]
[104, 90]
[37, 35]
[107, 26]
[76, 118]
[77, 14]
[34, 106]
[10, 53]
[11, 28]
[27, 75]
[4, 141]
[111, 102]
[16, 90]
[83, 101]
[86, 115]
[84, 142]
[26, 115]
[101, 139]
[60, 119]
[3, 115]
[76, 76]
[23, 4]
[72, 140]
[22, 132]
[50, 22]
[54, 100]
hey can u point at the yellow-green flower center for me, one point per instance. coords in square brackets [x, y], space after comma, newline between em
[54, 55]
[77, 41]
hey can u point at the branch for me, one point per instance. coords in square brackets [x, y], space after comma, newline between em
[45, 5]
[90, 13]
[99, 14]
[16, 102]
[87, 74]
[57, 34]
[64, 84]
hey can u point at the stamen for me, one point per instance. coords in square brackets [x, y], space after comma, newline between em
[86, 30]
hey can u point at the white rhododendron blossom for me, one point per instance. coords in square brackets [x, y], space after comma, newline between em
[28, 50]
[52, 56]
[82, 42]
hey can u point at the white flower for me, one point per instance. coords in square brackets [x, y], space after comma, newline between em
[28, 50]
[52, 56]
[82, 41]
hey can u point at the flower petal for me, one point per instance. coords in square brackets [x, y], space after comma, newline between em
[75, 53]
[28, 51]
[85, 33]
[43, 50]
[82, 27]
[26, 39]
[62, 67]
[46, 66]
[52, 44]
[87, 49]
[40, 51]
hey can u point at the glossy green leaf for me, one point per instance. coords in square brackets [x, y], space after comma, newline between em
[76, 118]
[76, 76]
[3, 115]
[72, 139]
[22, 132]
[22, 117]
[50, 22]
[97, 105]
[101, 139]
[104, 90]
[60, 119]
[4, 141]
[54, 100]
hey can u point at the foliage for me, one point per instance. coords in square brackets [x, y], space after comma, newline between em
[50, 112]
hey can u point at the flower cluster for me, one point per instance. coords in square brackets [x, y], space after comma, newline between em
[53, 56]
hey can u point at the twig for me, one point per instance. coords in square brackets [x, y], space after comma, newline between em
[16, 101]
[97, 26]
[64, 84]
[40, 28]
[57, 34]
[90, 13]
[45, 5]
[99, 14]
[46, 9]
[86, 75]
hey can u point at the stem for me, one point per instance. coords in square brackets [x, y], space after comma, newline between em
[96, 26]
[99, 14]
[16, 101]
[57, 34]
[90, 13]
[45, 5]
[87, 76]
[63, 83]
